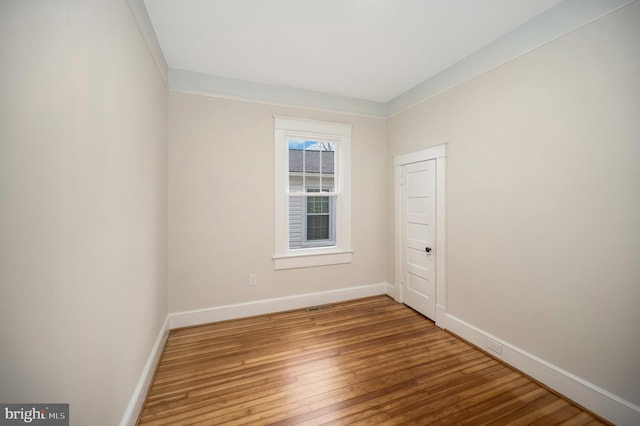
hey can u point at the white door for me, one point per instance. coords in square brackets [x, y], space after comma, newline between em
[419, 235]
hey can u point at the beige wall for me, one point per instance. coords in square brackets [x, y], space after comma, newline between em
[544, 199]
[221, 204]
[83, 119]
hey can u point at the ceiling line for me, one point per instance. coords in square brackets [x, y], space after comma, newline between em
[550, 25]
[212, 85]
[544, 28]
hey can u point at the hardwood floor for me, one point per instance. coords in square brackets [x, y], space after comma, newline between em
[370, 361]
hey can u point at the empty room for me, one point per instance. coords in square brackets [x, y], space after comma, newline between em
[320, 212]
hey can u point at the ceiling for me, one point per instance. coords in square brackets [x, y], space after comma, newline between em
[367, 49]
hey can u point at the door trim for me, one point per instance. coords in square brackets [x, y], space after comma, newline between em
[438, 153]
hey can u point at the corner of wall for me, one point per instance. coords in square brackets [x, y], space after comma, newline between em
[139, 12]
[139, 395]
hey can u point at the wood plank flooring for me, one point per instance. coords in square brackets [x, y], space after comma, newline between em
[366, 362]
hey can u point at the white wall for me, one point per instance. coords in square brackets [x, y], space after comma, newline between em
[83, 128]
[221, 204]
[543, 190]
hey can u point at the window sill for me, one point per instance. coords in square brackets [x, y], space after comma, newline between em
[310, 259]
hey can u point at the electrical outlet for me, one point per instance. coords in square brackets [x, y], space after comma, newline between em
[494, 346]
[252, 279]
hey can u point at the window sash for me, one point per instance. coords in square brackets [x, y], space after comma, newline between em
[330, 213]
[320, 176]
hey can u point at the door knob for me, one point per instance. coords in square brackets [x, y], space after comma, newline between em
[427, 249]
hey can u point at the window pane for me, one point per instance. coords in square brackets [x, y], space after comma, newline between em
[318, 227]
[296, 165]
[312, 162]
[318, 205]
[327, 164]
[327, 183]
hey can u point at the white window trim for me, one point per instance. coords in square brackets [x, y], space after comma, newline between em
[284, 258]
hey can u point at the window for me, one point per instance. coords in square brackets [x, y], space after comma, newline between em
[313, 199]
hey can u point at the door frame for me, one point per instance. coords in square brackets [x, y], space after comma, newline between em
[438, 153]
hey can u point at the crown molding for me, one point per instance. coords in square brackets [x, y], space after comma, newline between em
[550, 25]
[212, 85]
[556, 22]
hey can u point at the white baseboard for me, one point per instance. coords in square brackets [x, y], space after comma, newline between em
[140, 392]
[441, 316]
[221, 313]
[268, 306]
[590, 396]
[393, 291]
